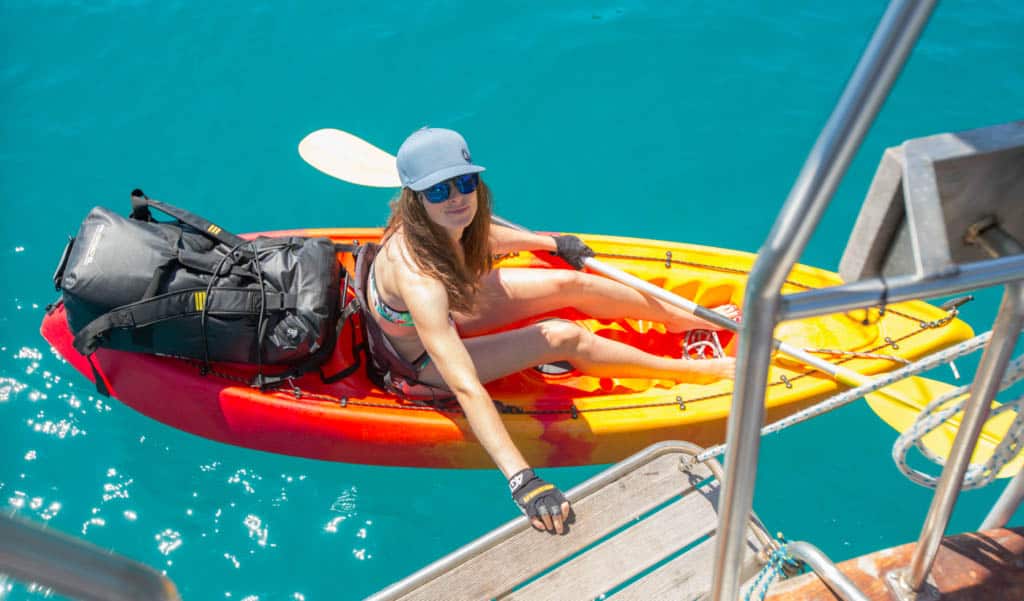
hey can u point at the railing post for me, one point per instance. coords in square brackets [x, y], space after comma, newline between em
[1006, 505]
[34, 553]
[1005, 333]
[870, 83]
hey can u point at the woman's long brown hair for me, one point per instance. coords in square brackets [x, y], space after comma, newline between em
[432, 251]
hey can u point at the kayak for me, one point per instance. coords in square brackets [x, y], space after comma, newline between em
[555, 415]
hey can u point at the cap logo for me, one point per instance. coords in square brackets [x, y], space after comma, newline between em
[465, 154]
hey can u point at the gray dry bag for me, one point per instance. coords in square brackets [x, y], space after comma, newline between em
[187, 288]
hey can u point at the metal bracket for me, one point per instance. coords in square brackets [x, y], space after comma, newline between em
[931, 197]
[896, 580]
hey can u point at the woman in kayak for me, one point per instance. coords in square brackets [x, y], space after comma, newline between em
[432, 293]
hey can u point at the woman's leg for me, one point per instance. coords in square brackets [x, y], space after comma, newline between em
[504, 353]
[509, 295]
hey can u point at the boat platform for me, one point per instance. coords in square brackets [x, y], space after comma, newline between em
[975, 565]
[643, 529]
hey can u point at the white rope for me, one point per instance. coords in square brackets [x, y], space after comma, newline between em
[932, 417]
[846, 397]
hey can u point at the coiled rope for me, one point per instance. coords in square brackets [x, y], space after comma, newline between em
[934, 415]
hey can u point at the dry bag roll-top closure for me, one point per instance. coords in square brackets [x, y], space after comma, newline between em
[187, 288]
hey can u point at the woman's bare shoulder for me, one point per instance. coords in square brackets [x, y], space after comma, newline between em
[412, 283]
[398, 259]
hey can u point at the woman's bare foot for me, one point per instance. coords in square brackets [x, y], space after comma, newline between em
[706, 371]
[730, 311]
[692, 322]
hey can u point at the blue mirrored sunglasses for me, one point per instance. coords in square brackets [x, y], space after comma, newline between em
[438, 193]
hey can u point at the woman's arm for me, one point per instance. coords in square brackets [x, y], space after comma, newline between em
[428, 304]
[568, 247]
[506, 240]
[543, 503]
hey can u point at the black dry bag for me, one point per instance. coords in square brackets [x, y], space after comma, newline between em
[187, 288]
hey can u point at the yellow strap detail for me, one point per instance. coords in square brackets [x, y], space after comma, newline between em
[200, 300]
[533, 493]
[213, 229]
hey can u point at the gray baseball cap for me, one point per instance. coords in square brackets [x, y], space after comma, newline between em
[432, 155]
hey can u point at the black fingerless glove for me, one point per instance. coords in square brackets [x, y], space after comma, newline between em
[573, 250]
[534, 496]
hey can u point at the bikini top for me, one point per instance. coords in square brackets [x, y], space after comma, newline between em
[390, 314]
[396, 324]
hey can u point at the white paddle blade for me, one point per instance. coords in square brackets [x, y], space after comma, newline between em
[349, 158]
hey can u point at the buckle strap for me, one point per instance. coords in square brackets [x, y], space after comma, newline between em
[220, 301]
[276, 301]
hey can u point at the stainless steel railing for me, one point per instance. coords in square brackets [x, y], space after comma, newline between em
[33, 553]
[1006, 504]
[826, 570]
[828, 160]
[765, 307]
[994, 360]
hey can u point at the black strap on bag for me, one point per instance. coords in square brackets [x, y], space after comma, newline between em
[205, 226]
[226, 301]
[140, 210]
[198, 261]
[211, 264]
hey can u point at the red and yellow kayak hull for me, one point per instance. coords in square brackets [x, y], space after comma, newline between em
[556, 420]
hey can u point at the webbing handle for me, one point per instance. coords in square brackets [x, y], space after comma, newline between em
[205, 226]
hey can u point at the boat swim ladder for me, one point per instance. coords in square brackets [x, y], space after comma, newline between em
[907, 244]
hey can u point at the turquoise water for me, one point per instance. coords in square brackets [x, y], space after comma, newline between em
[671, 120]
